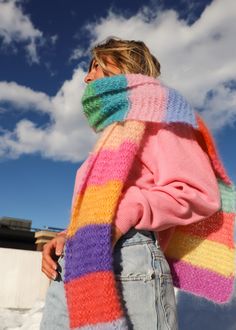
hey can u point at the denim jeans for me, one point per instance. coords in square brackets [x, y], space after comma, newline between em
[143, 279]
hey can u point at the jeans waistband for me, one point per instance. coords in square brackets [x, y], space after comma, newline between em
[137, 236]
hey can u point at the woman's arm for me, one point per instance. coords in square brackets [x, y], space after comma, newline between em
[177, 185]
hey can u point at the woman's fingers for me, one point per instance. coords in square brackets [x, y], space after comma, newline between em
[51, 251]
[52, 275]
[60, 245]
[49, 265]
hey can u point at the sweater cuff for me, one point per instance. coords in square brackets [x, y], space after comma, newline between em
[128, 215]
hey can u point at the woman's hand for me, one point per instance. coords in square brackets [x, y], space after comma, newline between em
[54, 248]
[51, 251]
[116, 235]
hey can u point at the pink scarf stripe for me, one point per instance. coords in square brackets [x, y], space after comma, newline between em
[117, 168]
[140, 98]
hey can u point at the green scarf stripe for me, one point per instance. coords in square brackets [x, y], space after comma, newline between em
[91, 105]
[102, 106]
[227, 197]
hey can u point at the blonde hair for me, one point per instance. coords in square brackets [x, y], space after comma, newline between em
[129, 56]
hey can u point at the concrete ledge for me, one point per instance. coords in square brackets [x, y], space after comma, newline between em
[21, 278]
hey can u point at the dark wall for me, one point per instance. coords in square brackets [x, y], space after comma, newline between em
[17, 239]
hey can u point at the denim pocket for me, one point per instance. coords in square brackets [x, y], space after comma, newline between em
[133, 262]
[136, 283]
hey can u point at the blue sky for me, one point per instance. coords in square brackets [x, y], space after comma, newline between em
[44, 52]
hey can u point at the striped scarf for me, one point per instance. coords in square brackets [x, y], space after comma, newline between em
[201, 256]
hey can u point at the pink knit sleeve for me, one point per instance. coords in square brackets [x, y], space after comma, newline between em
[175, 185]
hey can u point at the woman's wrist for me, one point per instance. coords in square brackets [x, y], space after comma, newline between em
[116, 235]
[62, 233]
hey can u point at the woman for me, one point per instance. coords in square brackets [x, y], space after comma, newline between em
[147, 174]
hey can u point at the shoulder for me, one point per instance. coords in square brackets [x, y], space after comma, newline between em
[166, 132]
[167, 142]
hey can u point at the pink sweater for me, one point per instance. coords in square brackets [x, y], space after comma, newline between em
[171, 183]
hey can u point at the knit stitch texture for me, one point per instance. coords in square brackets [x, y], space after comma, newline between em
[201, 256]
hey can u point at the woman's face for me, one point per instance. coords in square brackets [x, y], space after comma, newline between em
[96, 71]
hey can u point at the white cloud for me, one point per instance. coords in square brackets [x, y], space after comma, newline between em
[221, 107]
[17, 27]
[76, 54]
[23, 97]
[66, 137]
[196, 60]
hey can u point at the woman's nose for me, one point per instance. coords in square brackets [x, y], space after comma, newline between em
[88, 78]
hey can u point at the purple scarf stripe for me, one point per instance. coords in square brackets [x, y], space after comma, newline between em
[201, 282]
[89, 250]
[178, 108]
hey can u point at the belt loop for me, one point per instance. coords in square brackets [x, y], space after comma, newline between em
[155, 237]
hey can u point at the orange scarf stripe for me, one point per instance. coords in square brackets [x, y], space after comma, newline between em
[90, 294]
[216, 228]
[208, 144]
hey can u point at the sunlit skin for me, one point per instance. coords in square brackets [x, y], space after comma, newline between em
[53, 249]
[96, 71]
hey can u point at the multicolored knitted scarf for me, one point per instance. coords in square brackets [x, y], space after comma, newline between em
[201, 256]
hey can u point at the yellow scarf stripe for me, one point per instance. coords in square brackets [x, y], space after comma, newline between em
[196, 251]
[102, 209]
[129, 130]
